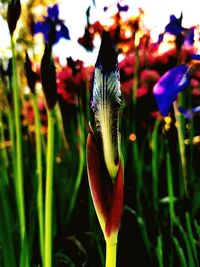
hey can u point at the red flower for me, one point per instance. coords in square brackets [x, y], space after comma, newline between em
[107, 195]
[72, 79]
[142, 91]
[149, 76]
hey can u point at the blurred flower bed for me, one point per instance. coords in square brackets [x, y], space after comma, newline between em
[160, 221]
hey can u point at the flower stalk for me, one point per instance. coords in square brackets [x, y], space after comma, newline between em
[40, 205]
[49, 190]
[31, 80]
[13, 14]
[48, 78]
[104, 159]
[181, 146]
[111, 251]
[165, 93]
[19, 167]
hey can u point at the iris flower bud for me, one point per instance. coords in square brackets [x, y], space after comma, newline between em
[104, 159]
[48, 77]
[106, 100]
[13, 13]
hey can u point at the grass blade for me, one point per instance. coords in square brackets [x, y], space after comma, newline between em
[180, 252]
[159, 251]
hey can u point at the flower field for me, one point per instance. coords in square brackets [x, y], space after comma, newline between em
[99, 164]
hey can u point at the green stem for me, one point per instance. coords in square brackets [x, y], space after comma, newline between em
[155, 164]
[7, 245]
[179, 124]
[170, 190]
[77, 183]
[191, 237]
[19, 167]
[39, 176]
[60, 125]
[81, 164]
[144, 233]
[138, 169]
[111, 253]
[5, 220]
[137, 158]
[49, 189]
[159, 251]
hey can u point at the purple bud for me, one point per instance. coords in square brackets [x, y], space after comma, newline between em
[13, 13]
[48, 78]
[30, 74]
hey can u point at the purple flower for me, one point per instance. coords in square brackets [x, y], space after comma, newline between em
[170, 84]
[188, 114]
[122, 8]
[52, 27]
[189, 37]
[195, 57]
[174, 26]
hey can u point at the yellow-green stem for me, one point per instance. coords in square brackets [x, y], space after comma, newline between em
[19, 168]
[60, 125]
[49, 189]
[155, 164]
[181, 145]
[170, 190]
[80, 167]
[111, 253]
[40, 207]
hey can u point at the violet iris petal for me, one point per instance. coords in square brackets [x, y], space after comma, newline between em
[53, 12]
[189, 36]
[196, 109]
[166, 89]
[122, 8]
[174, 26]
[44, 28]
[195, 56]
[52, 27]
[188, 114]
[63, 32]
